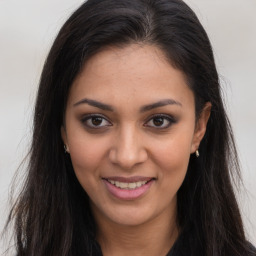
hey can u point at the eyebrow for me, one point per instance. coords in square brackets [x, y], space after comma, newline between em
[160, 103]
[95, 103]
[144, 108]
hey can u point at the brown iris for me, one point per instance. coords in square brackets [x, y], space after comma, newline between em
[97, 120]
[158, 121]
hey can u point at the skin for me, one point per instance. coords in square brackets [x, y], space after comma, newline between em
[130, 140]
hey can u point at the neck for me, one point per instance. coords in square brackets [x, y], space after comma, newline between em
[155, 237]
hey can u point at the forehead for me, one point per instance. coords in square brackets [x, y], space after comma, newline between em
[135, 72]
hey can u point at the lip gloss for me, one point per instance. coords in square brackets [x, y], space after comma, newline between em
[127, 194]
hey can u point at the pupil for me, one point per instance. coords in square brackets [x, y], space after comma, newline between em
[158, 121]
[96, 120]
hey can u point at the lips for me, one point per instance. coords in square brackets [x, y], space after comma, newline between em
[125, 185]
[129, 182]
[128, 188]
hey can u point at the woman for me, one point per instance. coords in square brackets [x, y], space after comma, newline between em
[132, 151]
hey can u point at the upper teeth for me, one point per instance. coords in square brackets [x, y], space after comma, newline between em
[125, 185]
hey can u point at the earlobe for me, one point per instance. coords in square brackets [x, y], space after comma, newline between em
[64, 138]
[201, 125]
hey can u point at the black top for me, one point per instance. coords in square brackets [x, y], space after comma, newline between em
[180, 248]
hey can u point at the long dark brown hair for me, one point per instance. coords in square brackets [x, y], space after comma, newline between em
[52, 215]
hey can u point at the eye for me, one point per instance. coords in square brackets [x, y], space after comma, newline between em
[95, 121]
[160, 121]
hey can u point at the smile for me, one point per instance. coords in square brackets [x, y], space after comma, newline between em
[128, 188]
[125, 185]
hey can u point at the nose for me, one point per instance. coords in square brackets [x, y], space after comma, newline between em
[128, 149]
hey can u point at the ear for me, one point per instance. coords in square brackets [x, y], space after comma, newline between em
[64, 138]
[200, 127]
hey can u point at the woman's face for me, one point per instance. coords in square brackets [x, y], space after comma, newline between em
[130, 129]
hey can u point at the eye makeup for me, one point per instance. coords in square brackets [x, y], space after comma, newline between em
[99, 121]
[160, 121]
[95, 121]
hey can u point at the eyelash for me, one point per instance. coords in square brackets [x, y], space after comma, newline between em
[87, 118]
[171, 120]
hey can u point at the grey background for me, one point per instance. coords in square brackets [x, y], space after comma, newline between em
[27, 30]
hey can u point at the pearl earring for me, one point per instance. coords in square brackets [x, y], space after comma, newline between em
[65, 148]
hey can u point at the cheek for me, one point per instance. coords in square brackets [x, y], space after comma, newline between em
[86, 152]
[172, 158]
[87, 157]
